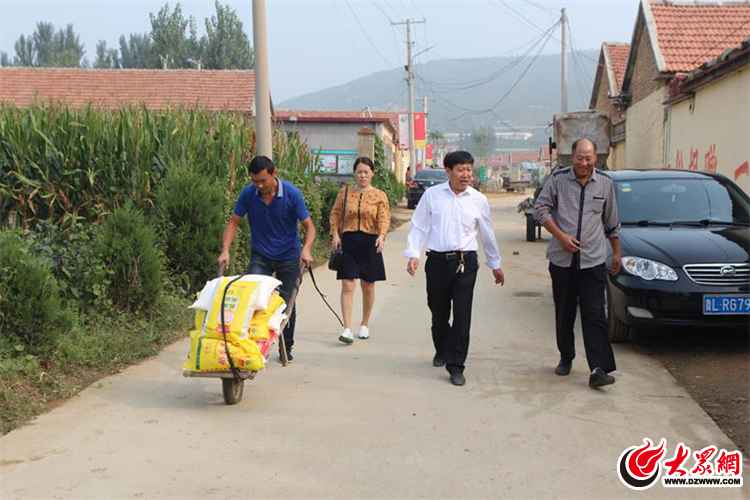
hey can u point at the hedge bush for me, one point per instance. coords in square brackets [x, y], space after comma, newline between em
[126, 245]
[384, 179]
[73, 260]
[190, 209]
[32, 316]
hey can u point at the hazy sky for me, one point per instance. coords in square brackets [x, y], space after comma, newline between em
[319, 43]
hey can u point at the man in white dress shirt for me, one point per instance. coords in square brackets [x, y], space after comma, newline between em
[446, 222]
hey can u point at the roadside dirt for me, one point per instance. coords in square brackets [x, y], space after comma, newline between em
[714, 367]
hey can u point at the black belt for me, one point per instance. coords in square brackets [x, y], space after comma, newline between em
[451, 255]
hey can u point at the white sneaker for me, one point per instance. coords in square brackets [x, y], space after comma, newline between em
[346, 336]
[364, 332]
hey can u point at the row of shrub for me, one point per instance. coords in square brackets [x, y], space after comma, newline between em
[107, 210]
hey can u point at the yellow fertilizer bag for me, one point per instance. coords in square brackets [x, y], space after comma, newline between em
[237, 309]
[200, 318]
[209, 354]
[259, 327]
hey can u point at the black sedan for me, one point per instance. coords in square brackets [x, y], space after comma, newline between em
[685, 252]
[424, 179]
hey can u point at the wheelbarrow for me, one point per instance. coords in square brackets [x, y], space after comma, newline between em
[233, 380]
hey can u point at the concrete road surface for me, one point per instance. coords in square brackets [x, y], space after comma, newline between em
[374, 419]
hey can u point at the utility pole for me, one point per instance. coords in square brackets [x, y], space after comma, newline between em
[563, 72]
[410, 83]
[426, 135]
[263, 132]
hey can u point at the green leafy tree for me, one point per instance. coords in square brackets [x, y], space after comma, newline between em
[174, 39]
[24, 47]
[135, 51]
[105, 57]
[44, 44]
[5, 59]
[384, 178]
[226, 45]
[47, 47]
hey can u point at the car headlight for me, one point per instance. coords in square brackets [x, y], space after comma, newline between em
[648, 269]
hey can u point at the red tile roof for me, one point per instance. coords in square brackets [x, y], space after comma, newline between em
[323, 116]
[227, 90]
[689, 34]
[617, 56]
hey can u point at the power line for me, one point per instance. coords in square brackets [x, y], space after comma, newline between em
[548, 10]
[459, 86]
[492, 108]
[382, 11]
[397, 42]
[367, 36]
[580, 69]
[520, 16]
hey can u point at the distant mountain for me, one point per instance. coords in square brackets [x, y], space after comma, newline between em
[457, 88]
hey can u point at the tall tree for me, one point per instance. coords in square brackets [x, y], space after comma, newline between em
[174, 38]
[226, 45]
[105, 57]
[68, 49]
[47, 47]
[24, 47]
[5, 59]
[135, 51]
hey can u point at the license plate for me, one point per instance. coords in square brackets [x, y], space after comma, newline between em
[726, 304]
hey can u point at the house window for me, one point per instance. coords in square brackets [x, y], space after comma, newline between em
[335, 162]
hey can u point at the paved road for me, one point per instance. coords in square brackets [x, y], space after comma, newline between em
[374, 419]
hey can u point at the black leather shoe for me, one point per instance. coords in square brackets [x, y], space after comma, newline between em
[289, 357]
[599, 378]
[563, 368]
[438, 361]
[458, 379]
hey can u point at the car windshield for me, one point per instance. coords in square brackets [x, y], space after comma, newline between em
[675, 201]
[431, 175]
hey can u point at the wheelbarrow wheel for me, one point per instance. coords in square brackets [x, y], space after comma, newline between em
[232, 389]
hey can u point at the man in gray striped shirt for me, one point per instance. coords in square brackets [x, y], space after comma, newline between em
[577, 206]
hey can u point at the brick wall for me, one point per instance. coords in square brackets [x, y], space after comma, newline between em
[604, 104]
[643, 82]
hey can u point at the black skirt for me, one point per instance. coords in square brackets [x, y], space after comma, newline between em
[361, 258]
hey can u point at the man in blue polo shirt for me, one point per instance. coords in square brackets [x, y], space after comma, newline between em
[274, 208]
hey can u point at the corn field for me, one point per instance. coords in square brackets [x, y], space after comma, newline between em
[67, 165]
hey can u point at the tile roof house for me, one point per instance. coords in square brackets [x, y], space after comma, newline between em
[387, 118]
[688, 34]
[683, 85]
[334, 136]
[606, 96]
[214, 90]
[708, 112]
[670, 38]
[684, 35]
[613, 59]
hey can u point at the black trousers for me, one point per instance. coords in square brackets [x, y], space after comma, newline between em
[286, 271]
[449, 291]
[571, 287]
